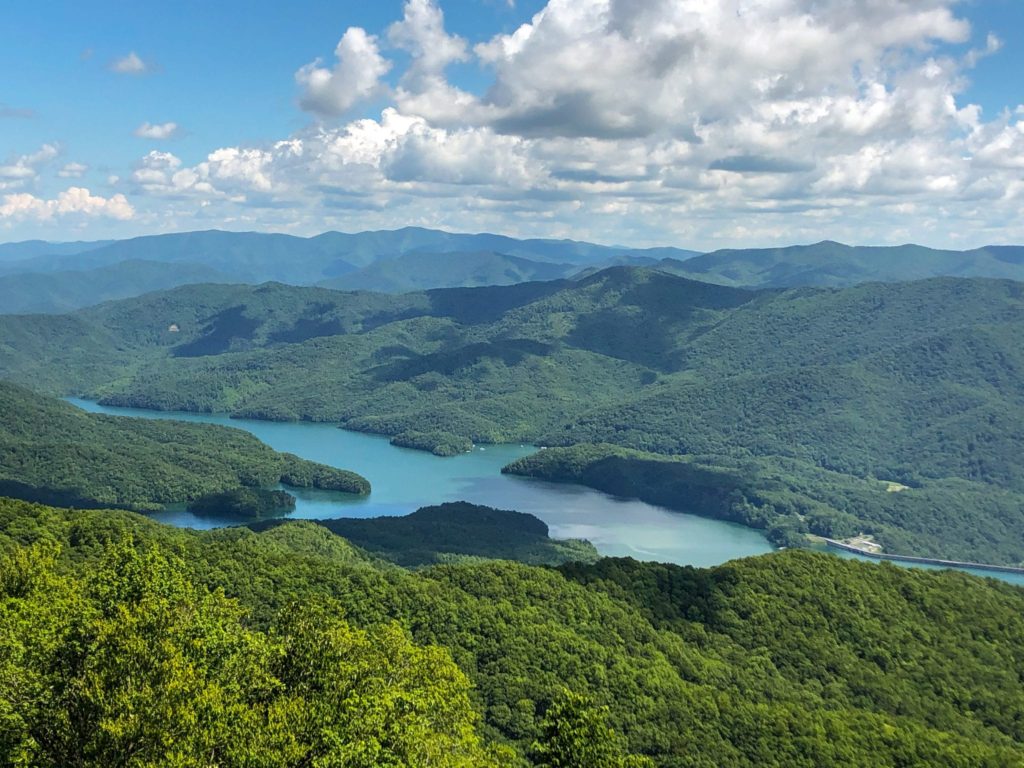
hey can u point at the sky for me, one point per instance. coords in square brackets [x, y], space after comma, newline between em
[695, 123]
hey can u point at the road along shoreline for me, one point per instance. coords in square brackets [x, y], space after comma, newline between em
[925, 560]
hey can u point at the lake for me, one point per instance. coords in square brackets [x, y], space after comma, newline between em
[404, 480]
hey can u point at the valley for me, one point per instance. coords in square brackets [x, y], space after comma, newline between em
[403, 480]
[572, 484]
[496, 384]
[807, 403]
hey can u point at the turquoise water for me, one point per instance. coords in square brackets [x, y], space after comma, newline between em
[404, 480]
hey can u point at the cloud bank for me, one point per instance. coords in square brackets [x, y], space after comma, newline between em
[694, 122]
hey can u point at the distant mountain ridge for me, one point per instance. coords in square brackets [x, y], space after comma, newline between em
[831, 264]
[391, 261]
[423, 271]
[29, 249]
[258, 257]
[414, 258]
[64, 291]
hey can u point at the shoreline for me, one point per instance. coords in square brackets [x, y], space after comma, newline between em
[923, 560]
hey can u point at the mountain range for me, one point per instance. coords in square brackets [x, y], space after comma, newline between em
[56, 277]
[818, 399]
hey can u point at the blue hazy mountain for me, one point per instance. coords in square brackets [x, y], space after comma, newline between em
[72, 289]
[831, 264]
[49, 277]
[71, 275]
[258, 257]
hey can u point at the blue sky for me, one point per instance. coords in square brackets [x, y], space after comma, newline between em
[642, 121]
[224, 70]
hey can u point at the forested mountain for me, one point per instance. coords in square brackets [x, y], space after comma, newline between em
[257, 257]
[421, 271]
[52, 451]
[72, 289]
[834, 264]
[44, 277]
[890, 409]
[790, 659]
[28, 249]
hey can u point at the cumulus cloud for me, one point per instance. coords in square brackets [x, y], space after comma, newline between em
[157, 131]
[421, 32]
[628, 68]
[423, 89]
[719, 122]
[356, 75]
[73, 200]
[131, 64]
[24, 169]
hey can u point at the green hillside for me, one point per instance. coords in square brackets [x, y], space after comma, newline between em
[52, 451]
[231, 644]
[834, 393]
[457, 531]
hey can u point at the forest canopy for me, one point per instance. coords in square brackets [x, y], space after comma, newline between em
[817, 396]
[790, 659]
[51, 451]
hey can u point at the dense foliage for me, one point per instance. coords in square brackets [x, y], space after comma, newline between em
[243, 504]
[830, 393]
[791, 659]
[130, 664]
[438, 443]
[51, 451]
[458, 531]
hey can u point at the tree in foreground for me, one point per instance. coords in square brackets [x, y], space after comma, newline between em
[135, 666]
[575, 735]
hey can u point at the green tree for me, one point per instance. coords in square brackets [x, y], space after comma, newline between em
[135, 666]
[575, 735]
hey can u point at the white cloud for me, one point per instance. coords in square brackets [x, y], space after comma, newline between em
[469, 157]
[356, 75]
[73, 170]
[423, 89]
[157, 131]
[624, 68]
[130, 65]
[73, 200]
[24, 169]
[421, 32]
[700, 123]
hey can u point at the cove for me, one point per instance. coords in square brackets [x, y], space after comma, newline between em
[404, 480]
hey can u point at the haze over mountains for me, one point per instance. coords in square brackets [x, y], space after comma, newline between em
[834, 264]
[56, 277]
